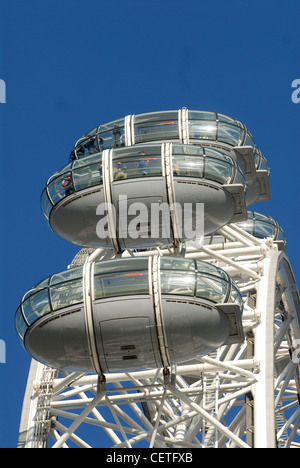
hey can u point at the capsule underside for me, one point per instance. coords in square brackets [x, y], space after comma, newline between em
[129, 341]
[77, 221]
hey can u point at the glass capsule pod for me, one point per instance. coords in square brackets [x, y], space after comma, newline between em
[130, 314]
[145, 195]
[188, 127]
[262, 226]
[258, 225]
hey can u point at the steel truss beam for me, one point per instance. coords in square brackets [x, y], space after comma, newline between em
[244, 395]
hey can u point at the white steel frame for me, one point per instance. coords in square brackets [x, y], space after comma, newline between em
[243, 395]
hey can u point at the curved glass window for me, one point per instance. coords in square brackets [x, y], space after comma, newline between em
[194, 278]
[213, 126]
[106, 136]
[164, 125]
[53, 293]
[262, 226]
[231, 134]
[264, 165]
[202, 125]
[46, 204]
[137, 161]
[188, 161]
[121, 278]
[207, 163]
[156, 126]
[87, 173]
[78, 175]
[36, 306]
[60, 187]
[140, 161]
[21, 325]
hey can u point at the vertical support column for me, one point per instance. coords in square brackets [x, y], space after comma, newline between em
[154, 274]
[176, 222]
[183, 125]
[30, 404]
[88, 299]
[107, 156]
[129, 131]
[264, 409]
[249, 397]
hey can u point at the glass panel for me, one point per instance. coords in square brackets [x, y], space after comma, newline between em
[87, 176]
[178, 282]
[111, 135]
[202, 130]
[257, 158]
[217, 170]
[218, 154]
[230, 120]
[230, 134]
[67, 275]
[188, 166]
[60, 188]
[249, 141]
[66, 294]
[281, 236]
[91, 145]
[235, 296]
[80, 150]
[45, 204]
[156, 126]
[207, 268]
[240, 178]
[264, 165]
[121, 284]
[89, 160]
[124, 265]
[41, 285]
[211, 288]
[36, 306]
[21, 326]
[185, 264]
[263, 229]
[247, 226]
[160, 116]
[187, 161]
[189, 150]
[201, 115]
[137, 162]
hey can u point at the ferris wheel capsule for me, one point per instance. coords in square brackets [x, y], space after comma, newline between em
[259, 226]
[142, 313]
[262, 226]
[140, 196]
[209, 129]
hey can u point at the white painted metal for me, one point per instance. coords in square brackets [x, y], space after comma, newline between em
[245, 396]
[88, 292]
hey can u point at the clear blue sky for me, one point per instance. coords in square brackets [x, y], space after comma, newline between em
[72, 64]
